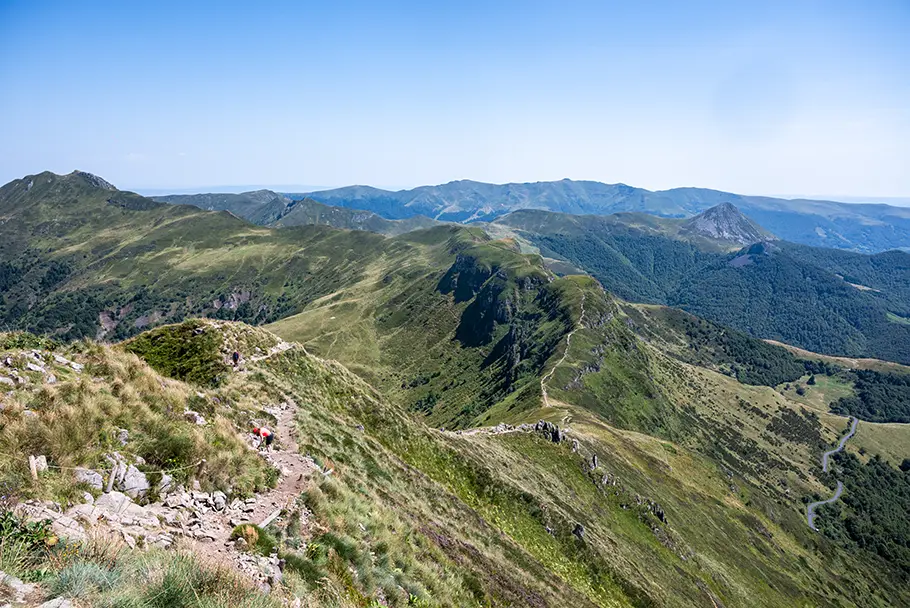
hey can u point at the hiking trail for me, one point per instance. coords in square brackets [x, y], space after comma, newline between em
[549, 374]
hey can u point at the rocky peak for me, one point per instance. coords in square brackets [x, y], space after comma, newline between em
[726, 222]
[94, 180]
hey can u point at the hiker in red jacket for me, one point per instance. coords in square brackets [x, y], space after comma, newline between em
[266, 437]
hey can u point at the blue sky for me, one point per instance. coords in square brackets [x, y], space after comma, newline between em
[767, 97]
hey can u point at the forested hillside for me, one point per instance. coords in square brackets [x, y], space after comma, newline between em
[829, 301]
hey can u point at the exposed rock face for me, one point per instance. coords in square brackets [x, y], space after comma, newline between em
[549, 430]
[20, 591]
[94, 180]
[579, 531]
[726, 222]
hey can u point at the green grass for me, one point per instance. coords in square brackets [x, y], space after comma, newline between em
[819, 397]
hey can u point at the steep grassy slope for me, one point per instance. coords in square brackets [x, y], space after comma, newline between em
[80, 260]
[412, 514]
[447, 340]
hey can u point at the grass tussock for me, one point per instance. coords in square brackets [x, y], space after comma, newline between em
[78, 419]
[103, 573]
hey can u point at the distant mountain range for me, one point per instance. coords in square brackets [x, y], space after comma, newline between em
[865, 228]
[858, 227]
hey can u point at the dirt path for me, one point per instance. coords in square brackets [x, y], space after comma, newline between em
[549, 374]
[296, 474]
[810, 510]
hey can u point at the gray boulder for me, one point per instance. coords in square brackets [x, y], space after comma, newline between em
[166, 485]
[194, 417]
[90, 477]
[134, 484]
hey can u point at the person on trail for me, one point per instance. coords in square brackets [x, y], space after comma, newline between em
[266, 437]
[235, 358]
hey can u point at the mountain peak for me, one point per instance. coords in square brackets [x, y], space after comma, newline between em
[726, 222]
[94, 180]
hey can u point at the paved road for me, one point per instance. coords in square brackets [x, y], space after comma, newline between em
[810, 510]
[840, 446]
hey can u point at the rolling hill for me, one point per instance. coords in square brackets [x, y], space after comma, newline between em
[308, 211]
[859, 227]
[267, 208]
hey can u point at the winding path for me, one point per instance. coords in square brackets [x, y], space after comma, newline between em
[549, 374]
[810, 510]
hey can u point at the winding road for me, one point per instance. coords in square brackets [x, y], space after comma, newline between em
[810, 510]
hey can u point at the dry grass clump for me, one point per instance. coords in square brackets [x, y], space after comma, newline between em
[76, 420]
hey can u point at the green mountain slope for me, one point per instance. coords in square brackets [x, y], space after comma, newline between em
[79, 260]
[443, 485]
[834, 302]
[308, 211]
[412, 514]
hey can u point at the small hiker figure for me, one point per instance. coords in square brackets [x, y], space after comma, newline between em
[266, 437]
[235, 358]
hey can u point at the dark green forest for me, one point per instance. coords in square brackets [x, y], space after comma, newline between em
[872, 512]
[880, 397]
[800, 295]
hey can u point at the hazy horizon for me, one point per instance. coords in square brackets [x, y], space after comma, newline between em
[299, 189]
[761, 98]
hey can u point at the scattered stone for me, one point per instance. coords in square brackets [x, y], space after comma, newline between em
[20, 590]
[194, 417]
[7, 381]
[123, 436]
[41, 463]
[88, 498]
[57, 602]
[32, 367]
[51, 379]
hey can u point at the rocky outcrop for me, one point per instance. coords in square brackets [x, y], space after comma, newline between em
[465, 278]
[549, 431]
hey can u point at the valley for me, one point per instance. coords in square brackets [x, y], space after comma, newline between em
[631, 453]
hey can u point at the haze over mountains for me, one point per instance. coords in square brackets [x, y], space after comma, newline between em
[859, 227]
